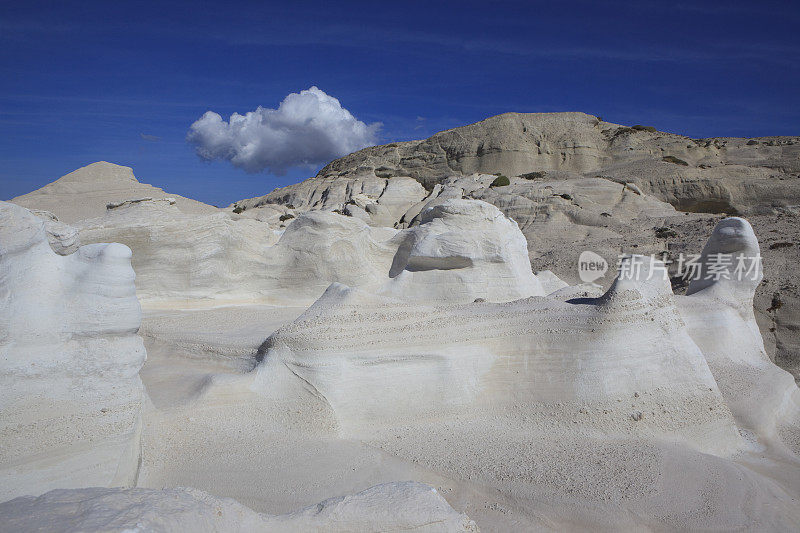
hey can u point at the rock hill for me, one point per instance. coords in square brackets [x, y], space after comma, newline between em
[706, 175]
[85, 193]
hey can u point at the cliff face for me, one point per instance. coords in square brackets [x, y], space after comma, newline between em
[511, 144]
[719, 175]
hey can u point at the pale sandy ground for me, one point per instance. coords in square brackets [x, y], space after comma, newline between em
[277, 458]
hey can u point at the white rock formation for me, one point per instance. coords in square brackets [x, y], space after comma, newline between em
[462, 250]
[403, 506]
[125, 510]
[378, 361]
[84, 193]
[610, 402]
[376, 200]
[319, 248]
[389, 507]
[577, 183]
[225, 257]
[715, 174]
[719, 311]
[63, 238]
[70, 393]
[618, 180]
[443, 362]
[179, 256]
[560, 214]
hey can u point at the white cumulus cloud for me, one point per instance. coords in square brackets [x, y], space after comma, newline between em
[309, 128]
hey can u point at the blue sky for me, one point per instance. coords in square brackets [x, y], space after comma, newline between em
[124, 81]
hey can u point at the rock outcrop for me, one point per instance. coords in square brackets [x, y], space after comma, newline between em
[460, 251]
[715, 174]
[180, 256]
[63, 238]
[719, 311]
[546, 357]
[70, 393]
[389, 507]
[432, 351]
[579, 183]
[85, 193]
[576, 183]
[593, 402]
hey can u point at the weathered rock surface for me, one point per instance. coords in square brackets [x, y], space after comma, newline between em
[629, 409]
[599, 402]
[70, 393]
[378, 201]
[388, 507]
[715, 174]
[186, 256]
[86, 192]
[579, 183]
[719, 312]
[63, 238]
[462, 250]
[542, 355]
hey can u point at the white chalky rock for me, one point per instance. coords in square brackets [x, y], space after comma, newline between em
[379, 201]
[86, 193]
[403, 506]
[719, 311]
[389, 507]
[63, 238]
[550, 282]
[70, 393]
[462, 250]
[376, 360]
[179, 256]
